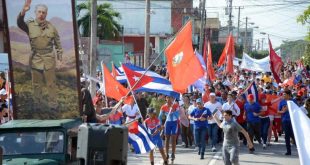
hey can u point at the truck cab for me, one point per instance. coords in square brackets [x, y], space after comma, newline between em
[44, 142]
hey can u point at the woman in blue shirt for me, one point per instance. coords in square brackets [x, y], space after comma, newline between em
[200, 115]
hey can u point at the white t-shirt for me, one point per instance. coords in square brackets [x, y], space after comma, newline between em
[190, 110]
[131, 112]
[212, 107]
[233, 107]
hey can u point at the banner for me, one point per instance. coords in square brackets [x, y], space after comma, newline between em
[261, 65]
[44, 58]
[301, 129]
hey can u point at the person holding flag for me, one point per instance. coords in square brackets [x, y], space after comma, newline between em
[169, 114]
[153, 126]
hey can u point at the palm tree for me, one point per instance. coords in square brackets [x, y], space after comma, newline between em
[108, 28]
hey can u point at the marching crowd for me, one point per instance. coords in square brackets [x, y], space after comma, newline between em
[223, 113]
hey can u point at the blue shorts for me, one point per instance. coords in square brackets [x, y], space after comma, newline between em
[171, 128]
[158, 141]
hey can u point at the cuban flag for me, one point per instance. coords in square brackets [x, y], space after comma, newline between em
[120, 75]
[158, 84]
[139, 138]
[200, 83]
[251, 89]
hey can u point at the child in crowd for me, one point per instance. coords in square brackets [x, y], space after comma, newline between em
[154, 127]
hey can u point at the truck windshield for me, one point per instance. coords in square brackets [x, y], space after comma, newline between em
[32, 142]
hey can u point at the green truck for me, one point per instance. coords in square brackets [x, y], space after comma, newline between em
[44, 142]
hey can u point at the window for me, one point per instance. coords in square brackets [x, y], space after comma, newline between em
[32, 142]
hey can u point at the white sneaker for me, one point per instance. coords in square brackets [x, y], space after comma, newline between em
[213, 149]
[264, 146]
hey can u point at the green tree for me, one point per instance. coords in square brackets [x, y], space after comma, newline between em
[108, 27]
[305, 20]
[294, 50]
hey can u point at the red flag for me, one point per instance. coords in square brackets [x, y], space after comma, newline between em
[113, 88]
[114, 72]
[182, 65]
[228, 50]
[275, 63]
[211, 73]
[133, 77]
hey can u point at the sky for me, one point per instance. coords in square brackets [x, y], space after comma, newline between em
[274, 17]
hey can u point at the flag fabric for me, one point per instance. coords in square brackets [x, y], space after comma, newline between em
[230, 56]
[159, 84]
[133, 78]
[210, 70]
[183, 68]
[275, 63]
[139, 138]
[113, 88]
[251, 89]
[201, 82]
[114, 72]
[228, 52]
[120, 74]
[249, 63]
[301, 128]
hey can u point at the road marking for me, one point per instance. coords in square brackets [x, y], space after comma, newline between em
[215, 157]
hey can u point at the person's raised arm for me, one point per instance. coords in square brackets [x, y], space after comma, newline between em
[217, 120]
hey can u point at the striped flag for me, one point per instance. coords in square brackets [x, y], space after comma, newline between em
[251, 89]
[158, 85]
[139, 138]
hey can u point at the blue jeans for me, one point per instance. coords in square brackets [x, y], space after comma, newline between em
[265, 123]
[288, 130]
[212, 131]
[200, 138]
[192, 129]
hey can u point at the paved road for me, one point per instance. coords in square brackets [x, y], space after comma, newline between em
[273, 155]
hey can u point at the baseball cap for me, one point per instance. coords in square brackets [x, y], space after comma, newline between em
[212, 94]
[198, 100]
[250, 97]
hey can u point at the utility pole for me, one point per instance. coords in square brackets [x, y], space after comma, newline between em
[263, 43]
[202, 25]
[245, 49]
[147, 34]
[93, 46]
[230, 15]
[238, 32]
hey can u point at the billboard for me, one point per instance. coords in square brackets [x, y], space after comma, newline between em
[43, 58]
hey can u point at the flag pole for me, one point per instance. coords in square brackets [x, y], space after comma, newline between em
[105, 93]
[162, 51]
[8, 94]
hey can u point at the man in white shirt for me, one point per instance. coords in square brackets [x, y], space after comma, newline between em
[231, 105]
[215, 107]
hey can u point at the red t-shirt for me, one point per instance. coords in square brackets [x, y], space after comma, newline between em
[240, 104]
